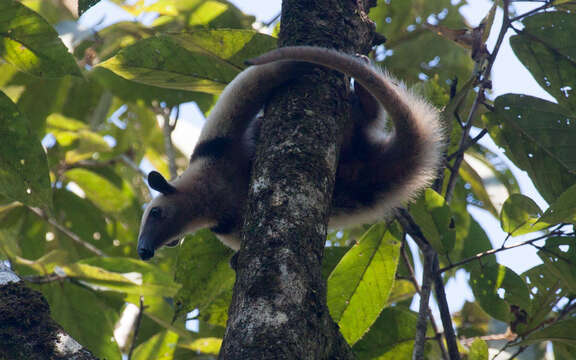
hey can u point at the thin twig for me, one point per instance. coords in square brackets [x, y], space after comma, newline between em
[67, 232]
[471, 142]
[412, 279]
[425, 290]
[132, 165]
[518, 352]
[494, 251]
[167, 129]
[484, 83]
[543, 7]
[445, 316]
[431, 257]
[35, 279]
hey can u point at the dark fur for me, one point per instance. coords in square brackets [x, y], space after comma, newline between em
[375, 172]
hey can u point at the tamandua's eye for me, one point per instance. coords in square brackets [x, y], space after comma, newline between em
[156, 213]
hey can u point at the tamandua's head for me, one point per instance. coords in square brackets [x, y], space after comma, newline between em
[166, 218]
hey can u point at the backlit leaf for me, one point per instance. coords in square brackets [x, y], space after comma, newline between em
[201, 61]
[23, 166]
[28, 42]
[359, 286]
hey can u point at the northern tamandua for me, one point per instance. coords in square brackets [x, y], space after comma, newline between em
[377, 171]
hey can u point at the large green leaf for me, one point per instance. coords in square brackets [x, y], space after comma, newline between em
[11, 220]
[520, 215]
[53, 11]
[546, 289]
[562, 351]
[204, 271]
[76, 138]
[559, 257]
[563, 209]
[159, 347]
[106, 190]
[497, 288]
[201, 61]
[28, 42]
[391, 336]
[133, 92]
[538, 136]
[435, 220]
[545, 47]
[478, 350]
[89, 317]
[23, 167]
[415, 49]
[136, 278]
[40, 98]
[560, 332]
[475, 243]
[126, 275]
[359, 286]
[209, 345]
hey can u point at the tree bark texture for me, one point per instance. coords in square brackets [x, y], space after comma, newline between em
[26, 329]
[278, 309]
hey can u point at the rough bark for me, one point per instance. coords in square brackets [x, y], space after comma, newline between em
[26, 329]
[278, 309]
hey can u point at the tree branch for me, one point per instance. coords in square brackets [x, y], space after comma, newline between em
[67, 232]
[494, 251]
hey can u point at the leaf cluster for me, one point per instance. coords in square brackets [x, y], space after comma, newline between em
[79, 122]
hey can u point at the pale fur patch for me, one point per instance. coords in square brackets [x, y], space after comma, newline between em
[428, 123]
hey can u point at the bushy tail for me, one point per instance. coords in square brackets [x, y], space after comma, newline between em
[416, 145]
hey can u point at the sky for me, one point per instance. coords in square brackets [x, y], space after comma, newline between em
[509, 76]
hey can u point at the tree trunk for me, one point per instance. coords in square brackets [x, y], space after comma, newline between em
[278, 309]
[26, 329]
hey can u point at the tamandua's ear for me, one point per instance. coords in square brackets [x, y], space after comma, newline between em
[158, 183]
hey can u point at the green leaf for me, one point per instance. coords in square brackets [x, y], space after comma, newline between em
[211, 14]
[28, 42]
[478, 187]
[359, 286]
[563, 351]
[546, 290]
[475, 243]
[478, 350]
[520, 215]
[23, 166]
[435, 220]
[545, 47]
[160, 347]
[88, 316]
[563, 209]
[11, 220]
[111, 195]
[76, 138]
[497, 288]
[559, 257]
[391, 336]
[133, 92]
[205, 257]
[210, 345]
[414, 47]
[201, 61]
[560, 332]
[41, 98]
[125, 275]
[538, 136]
[472, 321]
[53, 12]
